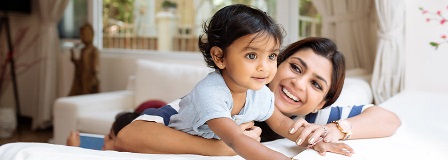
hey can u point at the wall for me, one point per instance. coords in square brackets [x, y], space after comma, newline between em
[426, 67]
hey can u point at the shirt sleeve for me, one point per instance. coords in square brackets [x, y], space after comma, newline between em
[210, 103]
[333, 113]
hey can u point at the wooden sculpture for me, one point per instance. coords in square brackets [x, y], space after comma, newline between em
[85, 80]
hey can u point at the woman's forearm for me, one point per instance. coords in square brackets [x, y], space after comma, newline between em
[150, 137]
[374, 122]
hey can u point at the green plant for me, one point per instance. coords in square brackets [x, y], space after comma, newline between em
[169, 4]
[436, 17]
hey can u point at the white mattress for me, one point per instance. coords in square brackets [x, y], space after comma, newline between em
[421, 136]
[38, 151]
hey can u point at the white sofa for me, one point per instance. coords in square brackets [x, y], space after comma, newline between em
[95, 113]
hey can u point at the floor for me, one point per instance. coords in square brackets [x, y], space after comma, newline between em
[25, 134]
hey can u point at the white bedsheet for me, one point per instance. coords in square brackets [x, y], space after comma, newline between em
[39, 151]
[421, 136]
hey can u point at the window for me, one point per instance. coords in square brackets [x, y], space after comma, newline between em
[162, 24]
[135, 24]
[75, 15]
[309, 20]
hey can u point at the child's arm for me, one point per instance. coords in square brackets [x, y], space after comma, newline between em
[156, 138]
[246, 147]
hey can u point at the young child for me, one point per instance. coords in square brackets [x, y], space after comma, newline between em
[242, 44]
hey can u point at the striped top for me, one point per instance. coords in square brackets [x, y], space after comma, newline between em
[322, 117]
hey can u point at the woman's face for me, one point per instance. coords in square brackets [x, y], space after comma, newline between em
[109, 141]
[301, 83]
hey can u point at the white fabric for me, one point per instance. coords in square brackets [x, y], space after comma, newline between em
[388, 74]
[354, 87]
[347, 23]
[173, 80]
[38, 151]
[97, 122]
[50, 12]
[415, 139]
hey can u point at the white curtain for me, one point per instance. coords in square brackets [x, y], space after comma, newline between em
[388, 73]
[50, 11]
[347, 23]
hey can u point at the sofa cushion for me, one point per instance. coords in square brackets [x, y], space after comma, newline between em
[356, 91]
[97, 123]
[149, 104]
[165, 81]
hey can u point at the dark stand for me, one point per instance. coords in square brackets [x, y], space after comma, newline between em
[4, 22]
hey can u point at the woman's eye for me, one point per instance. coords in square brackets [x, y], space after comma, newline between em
[273, 56]
[317, 85]
[251, 56]
[295, 68]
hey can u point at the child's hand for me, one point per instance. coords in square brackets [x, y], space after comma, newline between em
[339, 148]
[251, 131]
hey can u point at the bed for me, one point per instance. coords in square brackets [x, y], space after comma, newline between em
[421, 136]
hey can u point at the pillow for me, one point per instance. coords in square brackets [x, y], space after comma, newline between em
[356, 91]
[149, 104]
[165, 81]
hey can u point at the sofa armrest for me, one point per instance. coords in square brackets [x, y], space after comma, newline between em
[67, 109]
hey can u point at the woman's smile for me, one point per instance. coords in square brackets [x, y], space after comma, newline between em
[289, 94]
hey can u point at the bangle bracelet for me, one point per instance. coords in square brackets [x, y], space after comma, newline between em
[317, 141]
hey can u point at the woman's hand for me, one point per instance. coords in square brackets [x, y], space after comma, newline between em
[251, 131]
[339, 148]
[333, 133]
[310, 131]
[329, 132]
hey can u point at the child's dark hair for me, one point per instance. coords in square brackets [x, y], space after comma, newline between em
[233, 22]
[123, 119]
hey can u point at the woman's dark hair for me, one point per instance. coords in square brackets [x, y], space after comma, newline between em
[325, 48]
[233, 22]
[123, 119]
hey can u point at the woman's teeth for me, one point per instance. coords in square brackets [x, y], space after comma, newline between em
[290, 96]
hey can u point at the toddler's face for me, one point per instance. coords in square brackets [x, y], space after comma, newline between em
[250, 62]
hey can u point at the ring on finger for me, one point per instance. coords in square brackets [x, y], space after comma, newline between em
[325, 130]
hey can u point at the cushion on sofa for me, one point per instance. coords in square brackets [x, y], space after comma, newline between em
[356, 91]
[165, 81]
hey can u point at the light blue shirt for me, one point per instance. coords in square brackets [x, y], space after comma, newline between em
[211, 98]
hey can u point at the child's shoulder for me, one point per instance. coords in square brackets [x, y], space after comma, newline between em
[213, 79]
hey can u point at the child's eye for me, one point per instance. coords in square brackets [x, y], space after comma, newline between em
[295, 67]
[251, 56]
[317, 85]
[273, 56]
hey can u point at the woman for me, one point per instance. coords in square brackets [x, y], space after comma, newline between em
[307, 80]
